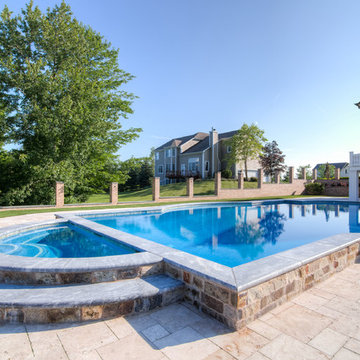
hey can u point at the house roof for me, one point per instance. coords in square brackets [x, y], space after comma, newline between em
[339, 165]
[202, 145]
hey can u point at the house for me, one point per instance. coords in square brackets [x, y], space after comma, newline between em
[343, 166]
[199, 155]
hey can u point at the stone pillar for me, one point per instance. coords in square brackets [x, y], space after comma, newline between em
[240, 180]
[337, 174]
[314, 174]
[291, 174]
[114, 196]
[217, 183]
[260, 178]
[59, 194]
[303, 173]
[277, 177]
[156, 189]
[190, 187]
[353, 185]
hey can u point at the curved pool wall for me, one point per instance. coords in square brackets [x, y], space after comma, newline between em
[233, 295]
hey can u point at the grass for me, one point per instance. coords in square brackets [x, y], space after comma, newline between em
[7, 213]
[202, 187]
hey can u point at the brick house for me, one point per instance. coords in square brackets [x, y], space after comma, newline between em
[199, 155]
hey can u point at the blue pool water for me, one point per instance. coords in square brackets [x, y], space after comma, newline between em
[236, 234]
[61, 241]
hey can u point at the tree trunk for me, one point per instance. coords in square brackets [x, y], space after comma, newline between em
[246, 174]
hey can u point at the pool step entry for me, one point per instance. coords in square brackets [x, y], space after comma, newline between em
[64, 271]
[84, 302]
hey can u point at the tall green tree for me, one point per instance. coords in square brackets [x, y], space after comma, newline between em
[63, 91]
[299, 172]
[326, 171]
[246, 144]
[272, 159]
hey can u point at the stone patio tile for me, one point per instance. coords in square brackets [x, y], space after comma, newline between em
[257, 356]
[46, 345]
[155, 332]
[310, 301]
[266, 316]
[219, 355]
[342, 288]
[344, 306]
[321, 292]
[264, 329]
[345, 354]
[210, 327]
[347, 326]
[282, 307]
[84, 355]
[186, 344]
[299, 322]
[285, 347]
[132, 347]
[240, 344]
[175, 317]
[330, 313]
[140, 322]
[120, 327]
[85, 338]
[353, 345]
[15, 347]
[328, 341]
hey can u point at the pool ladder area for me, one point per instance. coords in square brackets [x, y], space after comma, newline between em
[55, 296]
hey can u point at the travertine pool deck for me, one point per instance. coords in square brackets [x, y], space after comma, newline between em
[321, 323]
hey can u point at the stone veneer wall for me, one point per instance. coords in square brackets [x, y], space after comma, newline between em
[335, 187]
[236, 309]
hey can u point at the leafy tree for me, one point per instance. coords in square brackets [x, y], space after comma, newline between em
[246, 144]
[62, 96]
[272, 159]
[299, 172]
[326, 171]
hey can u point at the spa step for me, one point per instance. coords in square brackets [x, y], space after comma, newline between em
[67, 303]
[62, 271]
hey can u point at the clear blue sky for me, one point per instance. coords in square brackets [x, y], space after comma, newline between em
[292, 67]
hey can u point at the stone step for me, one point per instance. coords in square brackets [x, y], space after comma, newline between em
[67, 303]
[62, 271]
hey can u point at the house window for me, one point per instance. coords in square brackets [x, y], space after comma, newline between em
[345, 171]
[173, 167]
[173, 152]
[194, 165]
[206, 166]
[157, 156]
[167, 167]
[170, 152]
[183, 169]
[228, 149]
[160, 169]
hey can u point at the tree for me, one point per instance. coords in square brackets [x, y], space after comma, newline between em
[326, 171]
[272, 159]
[299, 172]
[246, 144]
[61, 86]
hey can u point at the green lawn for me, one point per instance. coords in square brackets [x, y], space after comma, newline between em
[202, 187]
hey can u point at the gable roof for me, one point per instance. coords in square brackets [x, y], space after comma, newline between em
[202, 145]
[339, 165]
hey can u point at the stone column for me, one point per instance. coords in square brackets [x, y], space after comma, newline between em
[217, 183]
[277, 177]
[190, 187]
[303, 173]
[353, 185]
[260, 178]
[337, 174]
[59, 194]
[240, 180]
[291, 174]
[314, 174]
[156, 188]
[114, 193]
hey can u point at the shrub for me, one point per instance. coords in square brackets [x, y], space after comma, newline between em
[226, 174]
[314, 188]
[253, 179]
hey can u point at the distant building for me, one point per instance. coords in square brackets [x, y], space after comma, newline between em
[343, 166]
[199, 155]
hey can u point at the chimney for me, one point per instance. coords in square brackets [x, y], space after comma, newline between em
[214, 137]
[213, 140]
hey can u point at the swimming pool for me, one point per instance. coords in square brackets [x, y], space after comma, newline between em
[61, 241]
[233, 234]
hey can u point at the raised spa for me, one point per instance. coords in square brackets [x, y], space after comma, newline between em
[61, 241]
[233, 234]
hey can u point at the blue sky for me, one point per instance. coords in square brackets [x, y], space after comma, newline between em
[292, 67]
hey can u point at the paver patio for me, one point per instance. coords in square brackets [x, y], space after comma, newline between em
[322, 323]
